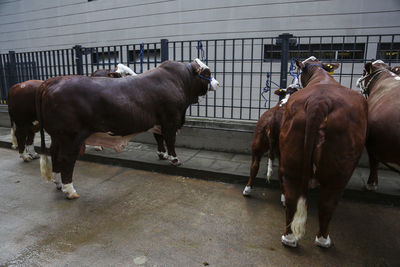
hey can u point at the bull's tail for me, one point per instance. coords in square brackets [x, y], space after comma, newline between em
[314, 119]
[45, 166]
[14, 142]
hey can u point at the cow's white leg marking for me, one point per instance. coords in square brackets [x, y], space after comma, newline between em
[69, 190]
[98, 148]
[283, 200]
[269, 171]
[57, 180]
[31, 151]
[175, 161]
[162, 155]
[289, 240]
[298, 225]
[323, 242]
[371, 187]
[14, 142]
[247, 190]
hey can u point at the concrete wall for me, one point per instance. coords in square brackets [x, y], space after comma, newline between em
[28, 25]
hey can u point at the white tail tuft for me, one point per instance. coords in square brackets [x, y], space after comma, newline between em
[45, 168]
[14, 141]
[300, 217]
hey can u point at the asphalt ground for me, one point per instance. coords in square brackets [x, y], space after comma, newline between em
[128, 217]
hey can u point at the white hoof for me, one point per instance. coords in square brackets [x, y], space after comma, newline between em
[69, 191]
[247, 191]
[175, 161]
[25, 156]
[289, 240]
[371, 187]
[323, 242]
[283, 200]
[162, 155]
[31, 151]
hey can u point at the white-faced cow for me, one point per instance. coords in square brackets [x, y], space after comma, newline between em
[382, 86]
[24, 122]
[322, 136]
[99, 111]
[266, 138]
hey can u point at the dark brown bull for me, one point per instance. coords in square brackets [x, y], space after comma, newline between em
[24, 123]
[383, 143]
[322, 137]
[79, 109]
[266, 139]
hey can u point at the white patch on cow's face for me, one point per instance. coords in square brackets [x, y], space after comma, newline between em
[310, 58]
[378, 61]
[125, 70]
[201, 64]
[214, 84]
[283, 101]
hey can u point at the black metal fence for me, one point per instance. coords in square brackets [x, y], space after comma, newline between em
[249, 69]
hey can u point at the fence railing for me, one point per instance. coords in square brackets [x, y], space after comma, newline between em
[240, 65]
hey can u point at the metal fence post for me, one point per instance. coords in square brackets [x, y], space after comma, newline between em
[164, 50]
[78, 59]
[12, 69]
[284, 39]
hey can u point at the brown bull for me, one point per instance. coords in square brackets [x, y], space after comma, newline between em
[24, 122]
[383, 143]
[266, 139]
[322, 137]
[76, 109]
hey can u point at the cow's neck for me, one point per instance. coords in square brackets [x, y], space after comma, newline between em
[378, 83]
[320, 76]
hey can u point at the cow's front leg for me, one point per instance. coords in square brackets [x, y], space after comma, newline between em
[372, 183]
[170, 137]
[161, 152]
[67, 157]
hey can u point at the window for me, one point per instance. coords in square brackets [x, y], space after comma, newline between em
[150, 55]
[388, 51]
[334, 51]
[105, 57]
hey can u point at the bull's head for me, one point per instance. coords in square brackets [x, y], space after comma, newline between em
[203, 72]
[309, 66]
[371, 70]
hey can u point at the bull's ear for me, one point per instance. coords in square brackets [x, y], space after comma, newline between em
[299, 64]
[114, 75]
[195, 67]
[330, 67]
[368, 67]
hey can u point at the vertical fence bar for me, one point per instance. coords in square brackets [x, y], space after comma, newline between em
[78, 59]
[233, 78]
[12, 69]
[164, 50]
[251, 77]
[284, 58]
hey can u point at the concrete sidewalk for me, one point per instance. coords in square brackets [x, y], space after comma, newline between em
[221, 166]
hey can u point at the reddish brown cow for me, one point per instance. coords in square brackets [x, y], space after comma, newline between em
[322, 136]
[24, 123]
[99, 111]
[266, 138]
[383, 143]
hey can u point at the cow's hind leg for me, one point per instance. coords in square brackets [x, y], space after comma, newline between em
[372, 183]
[55, 150]
[169, 134]
[161, 152]
[20, 133]
[30, 148]
[258, 148]
[328, 201]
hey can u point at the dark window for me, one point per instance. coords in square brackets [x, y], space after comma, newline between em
[388, 51]
[150, 55]
[321, 51]
[105, 57]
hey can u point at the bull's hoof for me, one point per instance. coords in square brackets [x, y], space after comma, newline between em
[175, 161]
[371, 187]
[26, 158]
[323, 242]
[14, 146]
[289, 240]
[98, 148]
[162, 155]
[72, 196]
[58, 185]
[247, 191]
[35, 156]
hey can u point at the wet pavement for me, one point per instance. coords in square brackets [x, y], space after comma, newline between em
[128, 217]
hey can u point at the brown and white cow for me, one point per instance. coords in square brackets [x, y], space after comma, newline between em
[24, 122]
[266, 138]
[382, 86]
[322, 136]
[76, 109]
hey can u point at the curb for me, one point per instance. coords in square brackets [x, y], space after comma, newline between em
[361, 195]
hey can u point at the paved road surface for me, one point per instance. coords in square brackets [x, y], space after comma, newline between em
[127, 217]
